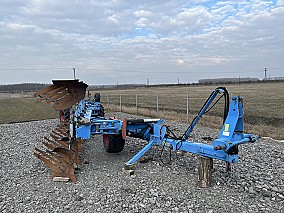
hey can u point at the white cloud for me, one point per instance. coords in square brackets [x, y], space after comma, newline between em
[146, 35]
[143, 13]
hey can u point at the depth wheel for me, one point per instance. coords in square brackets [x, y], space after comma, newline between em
[113, 143]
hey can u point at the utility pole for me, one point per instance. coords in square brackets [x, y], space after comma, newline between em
[74, 70]
[265, 73]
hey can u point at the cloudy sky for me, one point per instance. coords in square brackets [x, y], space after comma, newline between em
[128, 41]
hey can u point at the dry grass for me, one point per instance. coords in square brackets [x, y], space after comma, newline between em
[263, 104]
[21, 109]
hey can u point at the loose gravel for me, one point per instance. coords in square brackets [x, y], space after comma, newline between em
[256, 183]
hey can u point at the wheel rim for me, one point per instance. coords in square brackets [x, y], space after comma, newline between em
[105, 140]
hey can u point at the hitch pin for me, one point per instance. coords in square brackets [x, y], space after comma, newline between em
[220, 147]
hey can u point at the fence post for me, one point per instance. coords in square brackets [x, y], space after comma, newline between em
[136, 103]
[157, 104]
[107, 102]
[187, 108]
[120, 103]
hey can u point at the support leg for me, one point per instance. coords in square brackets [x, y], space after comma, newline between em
[136, 157]
[205, 172]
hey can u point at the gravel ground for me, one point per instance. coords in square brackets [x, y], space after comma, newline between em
[255, 185]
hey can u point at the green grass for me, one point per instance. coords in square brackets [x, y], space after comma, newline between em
[13, 110]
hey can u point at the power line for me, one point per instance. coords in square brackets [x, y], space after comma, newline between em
[143, 71]
[34, 69]
[124, 71]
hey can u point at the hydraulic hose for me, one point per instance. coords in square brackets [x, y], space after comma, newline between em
[204, 109]
[227, 102]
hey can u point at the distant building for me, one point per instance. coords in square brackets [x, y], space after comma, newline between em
[226, 80]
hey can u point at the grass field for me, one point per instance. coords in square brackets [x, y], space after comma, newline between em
[263, 104]
[21, 109]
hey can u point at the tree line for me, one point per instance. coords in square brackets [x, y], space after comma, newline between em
[34, 87]
[25, 87]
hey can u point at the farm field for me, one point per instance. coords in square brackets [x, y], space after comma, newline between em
[263, 104]
[21, 108]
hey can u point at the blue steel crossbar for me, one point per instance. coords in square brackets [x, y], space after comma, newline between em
[113, 126]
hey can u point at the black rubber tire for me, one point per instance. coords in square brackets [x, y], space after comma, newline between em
[113, 143]
[97, 97]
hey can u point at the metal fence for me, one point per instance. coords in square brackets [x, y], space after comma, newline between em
[263, 104]
[182, 104]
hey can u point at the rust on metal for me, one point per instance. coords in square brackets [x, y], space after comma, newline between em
[59, 134]
[46, 90]
[58, 154]
[63, 93]
[62, 168]
[51, 93]
[62, 128]
[58, 157]
[59, 95]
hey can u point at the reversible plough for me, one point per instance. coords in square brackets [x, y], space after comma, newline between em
[82, 117]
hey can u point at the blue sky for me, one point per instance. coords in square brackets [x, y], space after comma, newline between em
[128, 41]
